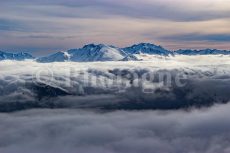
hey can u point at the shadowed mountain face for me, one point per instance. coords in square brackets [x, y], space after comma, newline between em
[147, 48]
[17, 56]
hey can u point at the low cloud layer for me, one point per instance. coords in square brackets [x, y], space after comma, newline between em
[77, 131]
[89, 119]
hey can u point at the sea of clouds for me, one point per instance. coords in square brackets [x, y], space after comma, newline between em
[77, 131]
[166, 105]
[168, 83]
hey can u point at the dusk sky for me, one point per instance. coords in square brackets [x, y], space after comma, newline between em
[41, 28]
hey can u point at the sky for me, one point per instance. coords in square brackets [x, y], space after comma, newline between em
[43, 27]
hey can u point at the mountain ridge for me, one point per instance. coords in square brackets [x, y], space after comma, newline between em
[101, 52]
[15, 56]
[89, 53]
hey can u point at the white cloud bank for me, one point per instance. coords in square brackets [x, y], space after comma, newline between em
[171, 83]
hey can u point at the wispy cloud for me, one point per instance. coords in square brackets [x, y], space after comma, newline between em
[200, 37]
[118, 22]
[176, 10]
[11, 25]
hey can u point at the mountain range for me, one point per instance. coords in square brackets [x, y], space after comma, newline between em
[12, 56]
[90, 53]
[101, 52]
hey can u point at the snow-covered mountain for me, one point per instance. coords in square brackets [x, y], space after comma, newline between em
[90, 53]
[147, 48]
[101, 52]
[57, 57]
[202, 52]
[15, 56]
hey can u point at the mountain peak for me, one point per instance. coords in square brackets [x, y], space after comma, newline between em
[147, 48]
[207, 51]
[146, 44]
[90, 53]
[15, 56]
[95, 46]
[98, 52]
